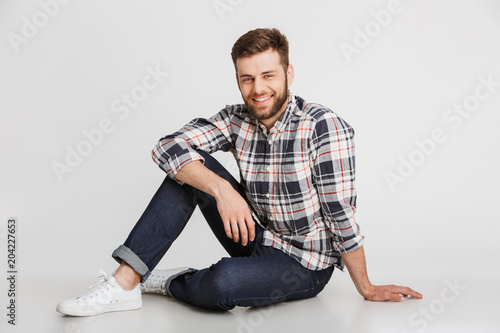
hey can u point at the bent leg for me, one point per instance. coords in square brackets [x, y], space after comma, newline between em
[208, 207]
[161, 223]
[266, 277]
[166, 216]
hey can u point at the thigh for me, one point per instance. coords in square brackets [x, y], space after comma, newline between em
[266, 277]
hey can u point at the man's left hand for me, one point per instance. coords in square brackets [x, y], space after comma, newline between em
[390, 293]
[356, 264]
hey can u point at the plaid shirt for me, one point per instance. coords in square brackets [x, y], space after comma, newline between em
[298, 176]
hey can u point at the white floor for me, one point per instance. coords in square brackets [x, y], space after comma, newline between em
[454, 302]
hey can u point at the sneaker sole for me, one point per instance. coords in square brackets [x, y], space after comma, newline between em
[153, 291]
[83, 312]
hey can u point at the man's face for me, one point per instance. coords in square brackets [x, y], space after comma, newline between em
[263, 84]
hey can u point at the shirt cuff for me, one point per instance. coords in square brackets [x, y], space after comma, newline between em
[350, 245]
[177, 163]
[172, 155]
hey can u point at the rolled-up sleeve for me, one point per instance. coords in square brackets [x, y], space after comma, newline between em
[174, 151]
[334, 176]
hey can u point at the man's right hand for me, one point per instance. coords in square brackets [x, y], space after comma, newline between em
[236, 216]
[233, 209]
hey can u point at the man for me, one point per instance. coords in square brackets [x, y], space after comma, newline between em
[296, 164]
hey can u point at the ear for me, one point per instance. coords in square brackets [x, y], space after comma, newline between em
[290, 75]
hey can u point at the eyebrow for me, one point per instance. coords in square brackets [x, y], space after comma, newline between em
[263, 73]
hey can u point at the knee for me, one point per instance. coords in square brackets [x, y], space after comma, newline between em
[215, 288]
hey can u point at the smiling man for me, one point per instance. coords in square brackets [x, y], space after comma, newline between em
[286, 224]
[264, 87]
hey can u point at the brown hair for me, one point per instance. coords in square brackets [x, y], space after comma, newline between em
[260, 40]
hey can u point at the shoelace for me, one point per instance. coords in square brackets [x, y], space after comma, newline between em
[98, 287]
[102, 276]
[155, 282]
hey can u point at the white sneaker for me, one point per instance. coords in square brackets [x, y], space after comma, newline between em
[157, 280]
[104, 296]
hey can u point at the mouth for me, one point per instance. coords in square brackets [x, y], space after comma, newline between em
[263, 100]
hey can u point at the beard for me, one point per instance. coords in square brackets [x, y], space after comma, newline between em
[267, 111]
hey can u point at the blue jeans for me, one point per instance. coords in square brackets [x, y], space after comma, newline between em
[253, 275]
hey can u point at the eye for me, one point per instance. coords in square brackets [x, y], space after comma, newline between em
[247, 80]
[268, 76]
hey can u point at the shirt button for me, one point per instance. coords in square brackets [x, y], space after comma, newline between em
[272, 218]
[268, 195]
[268, 168]
[270, 142]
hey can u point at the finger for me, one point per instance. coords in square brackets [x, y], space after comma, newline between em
[236, 233]
[408, 292]
[243, 233]
[227, 228]
[250, 227]
[395, 297]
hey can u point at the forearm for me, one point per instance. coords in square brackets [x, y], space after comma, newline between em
[356, 265]
[202, 178]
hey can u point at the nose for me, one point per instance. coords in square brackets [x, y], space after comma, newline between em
[258, 86]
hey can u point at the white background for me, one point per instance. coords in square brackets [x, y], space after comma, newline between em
[440, 224]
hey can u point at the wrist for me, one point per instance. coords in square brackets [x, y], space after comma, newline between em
[220, 187]
[367, 291]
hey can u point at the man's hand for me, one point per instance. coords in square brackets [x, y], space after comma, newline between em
[233, 209]
[236, 216]
[356, 265]
[390, 293]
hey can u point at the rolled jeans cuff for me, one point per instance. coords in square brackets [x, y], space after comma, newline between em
[170, 278]
[123, 253]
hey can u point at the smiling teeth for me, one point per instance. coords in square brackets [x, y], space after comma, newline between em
[262, 99]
